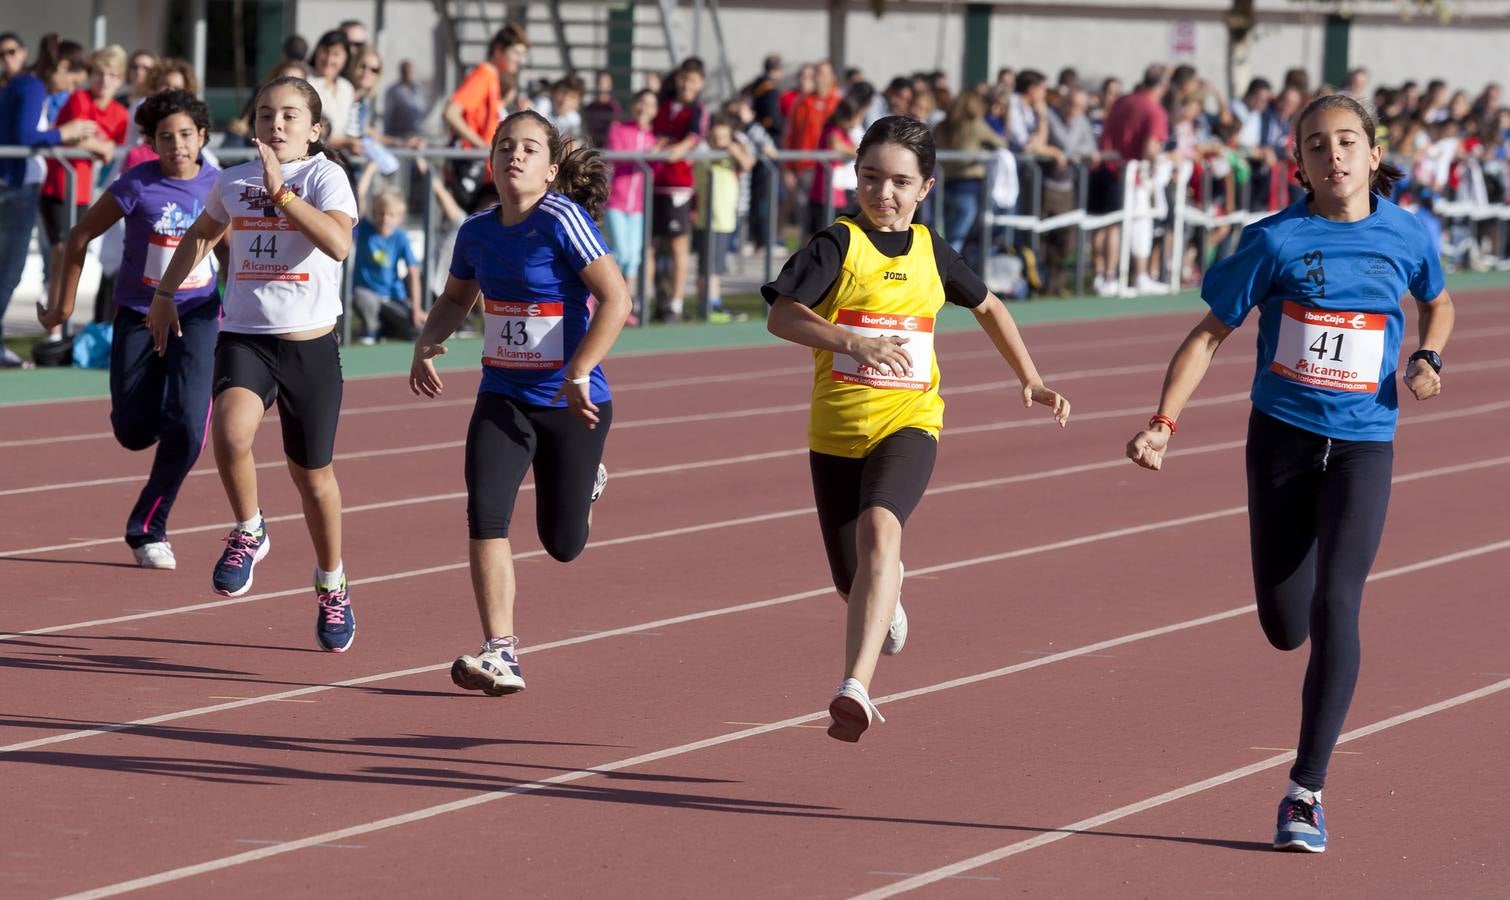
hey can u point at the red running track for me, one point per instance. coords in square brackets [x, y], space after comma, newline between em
[1086, 706]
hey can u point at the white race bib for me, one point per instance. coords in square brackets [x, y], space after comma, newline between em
[918, 330]
[524, 335]
[268, 248]
[160, 249]
[1340, 351]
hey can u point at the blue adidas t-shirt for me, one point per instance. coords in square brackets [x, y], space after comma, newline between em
[535, 302]
[1330, 316]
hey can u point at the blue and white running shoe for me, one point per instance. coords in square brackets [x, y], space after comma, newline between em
[243, 550]
[494, 670]
[1301, 826]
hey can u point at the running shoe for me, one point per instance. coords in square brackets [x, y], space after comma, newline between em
[156, 555]
[852, 711]
[494, 670]
[896, 635]
[243, 550]
[1302, 826]
[600, 482]
[335, 621]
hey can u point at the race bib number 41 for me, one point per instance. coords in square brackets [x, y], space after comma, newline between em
[524, 335]
[918, 330]
[1340, 351]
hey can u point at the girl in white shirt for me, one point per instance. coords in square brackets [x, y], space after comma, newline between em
[290, 215]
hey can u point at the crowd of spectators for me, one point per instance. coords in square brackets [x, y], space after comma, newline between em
[1036, 145]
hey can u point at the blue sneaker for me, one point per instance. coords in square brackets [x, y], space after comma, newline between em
[243, 550]
[1302, 826]
[336, 622]
[494, 670]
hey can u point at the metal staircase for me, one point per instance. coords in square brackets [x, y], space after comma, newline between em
[626, 38]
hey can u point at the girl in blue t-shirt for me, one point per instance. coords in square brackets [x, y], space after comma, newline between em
[161, 399]
[1326, 276]
[544, 402]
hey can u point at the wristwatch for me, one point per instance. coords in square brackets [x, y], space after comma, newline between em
[1432, 358]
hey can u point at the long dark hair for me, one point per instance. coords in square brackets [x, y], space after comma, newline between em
[311, 100]
[582, 173]
[1384, 178]
[906, 132]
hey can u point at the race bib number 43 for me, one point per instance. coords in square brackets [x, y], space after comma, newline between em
[160, 249]
[918, 330]
[1340, 351]
[524, 335]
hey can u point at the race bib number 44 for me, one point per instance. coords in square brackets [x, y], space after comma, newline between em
[1340, 351]
[524, 335]
[918, 330]
[268, 248]
[160, 249]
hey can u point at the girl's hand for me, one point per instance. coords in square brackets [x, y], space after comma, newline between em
[885, 355]
[1053, 399]
[1422, 379]
[272, 173]
[422, 376]
[49, 317]
[162, 322]
[1147, 448]
[579, 400]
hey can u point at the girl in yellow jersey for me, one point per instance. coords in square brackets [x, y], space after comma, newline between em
[864, 294]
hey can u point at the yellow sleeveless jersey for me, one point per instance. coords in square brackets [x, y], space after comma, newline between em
[855, 407]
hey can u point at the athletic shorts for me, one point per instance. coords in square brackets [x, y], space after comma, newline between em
[1104, 191]
[302, 377]
[672, 215]
[893, 476]
[508, 437]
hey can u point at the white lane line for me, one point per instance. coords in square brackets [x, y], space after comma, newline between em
[430, 812]
[1132, 809]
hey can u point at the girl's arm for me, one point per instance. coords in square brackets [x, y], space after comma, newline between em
[162, 315]
[1435, 327]
[792, 321]
[997, 322]
[605, 282]
[104, 213]
[449, 311]
[1186, 370]
[328, 230]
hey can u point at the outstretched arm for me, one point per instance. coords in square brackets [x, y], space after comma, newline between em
[997, 322]
[1186, 370]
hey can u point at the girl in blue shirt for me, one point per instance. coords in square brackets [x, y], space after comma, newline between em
[1326, 276]
[544, 402]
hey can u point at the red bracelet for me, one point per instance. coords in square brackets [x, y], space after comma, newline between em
[1160, 417]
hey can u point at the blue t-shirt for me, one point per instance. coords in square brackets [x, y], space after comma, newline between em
[378, 257]
[1330, 319]
[529, 274]
[158, 211]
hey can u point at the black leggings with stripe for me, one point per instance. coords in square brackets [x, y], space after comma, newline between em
[1315, 515]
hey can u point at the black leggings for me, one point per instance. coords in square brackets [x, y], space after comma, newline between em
[507, 436]
[1315, 515]
[893, 476]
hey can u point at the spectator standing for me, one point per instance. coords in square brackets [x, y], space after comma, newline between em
[404, 105]
[476, 108]
[1136, 129]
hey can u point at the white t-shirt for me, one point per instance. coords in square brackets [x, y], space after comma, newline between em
[277, 280]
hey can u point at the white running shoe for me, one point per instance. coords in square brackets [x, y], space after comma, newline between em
[1107, 287]
[1147, 285]
[494, 670]
[852, 711]
[156, 555]
[896, 635]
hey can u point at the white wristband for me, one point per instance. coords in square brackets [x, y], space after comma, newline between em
[583, 380]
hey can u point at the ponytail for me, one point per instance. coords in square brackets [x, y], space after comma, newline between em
[1385, 178]
[583, 176]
